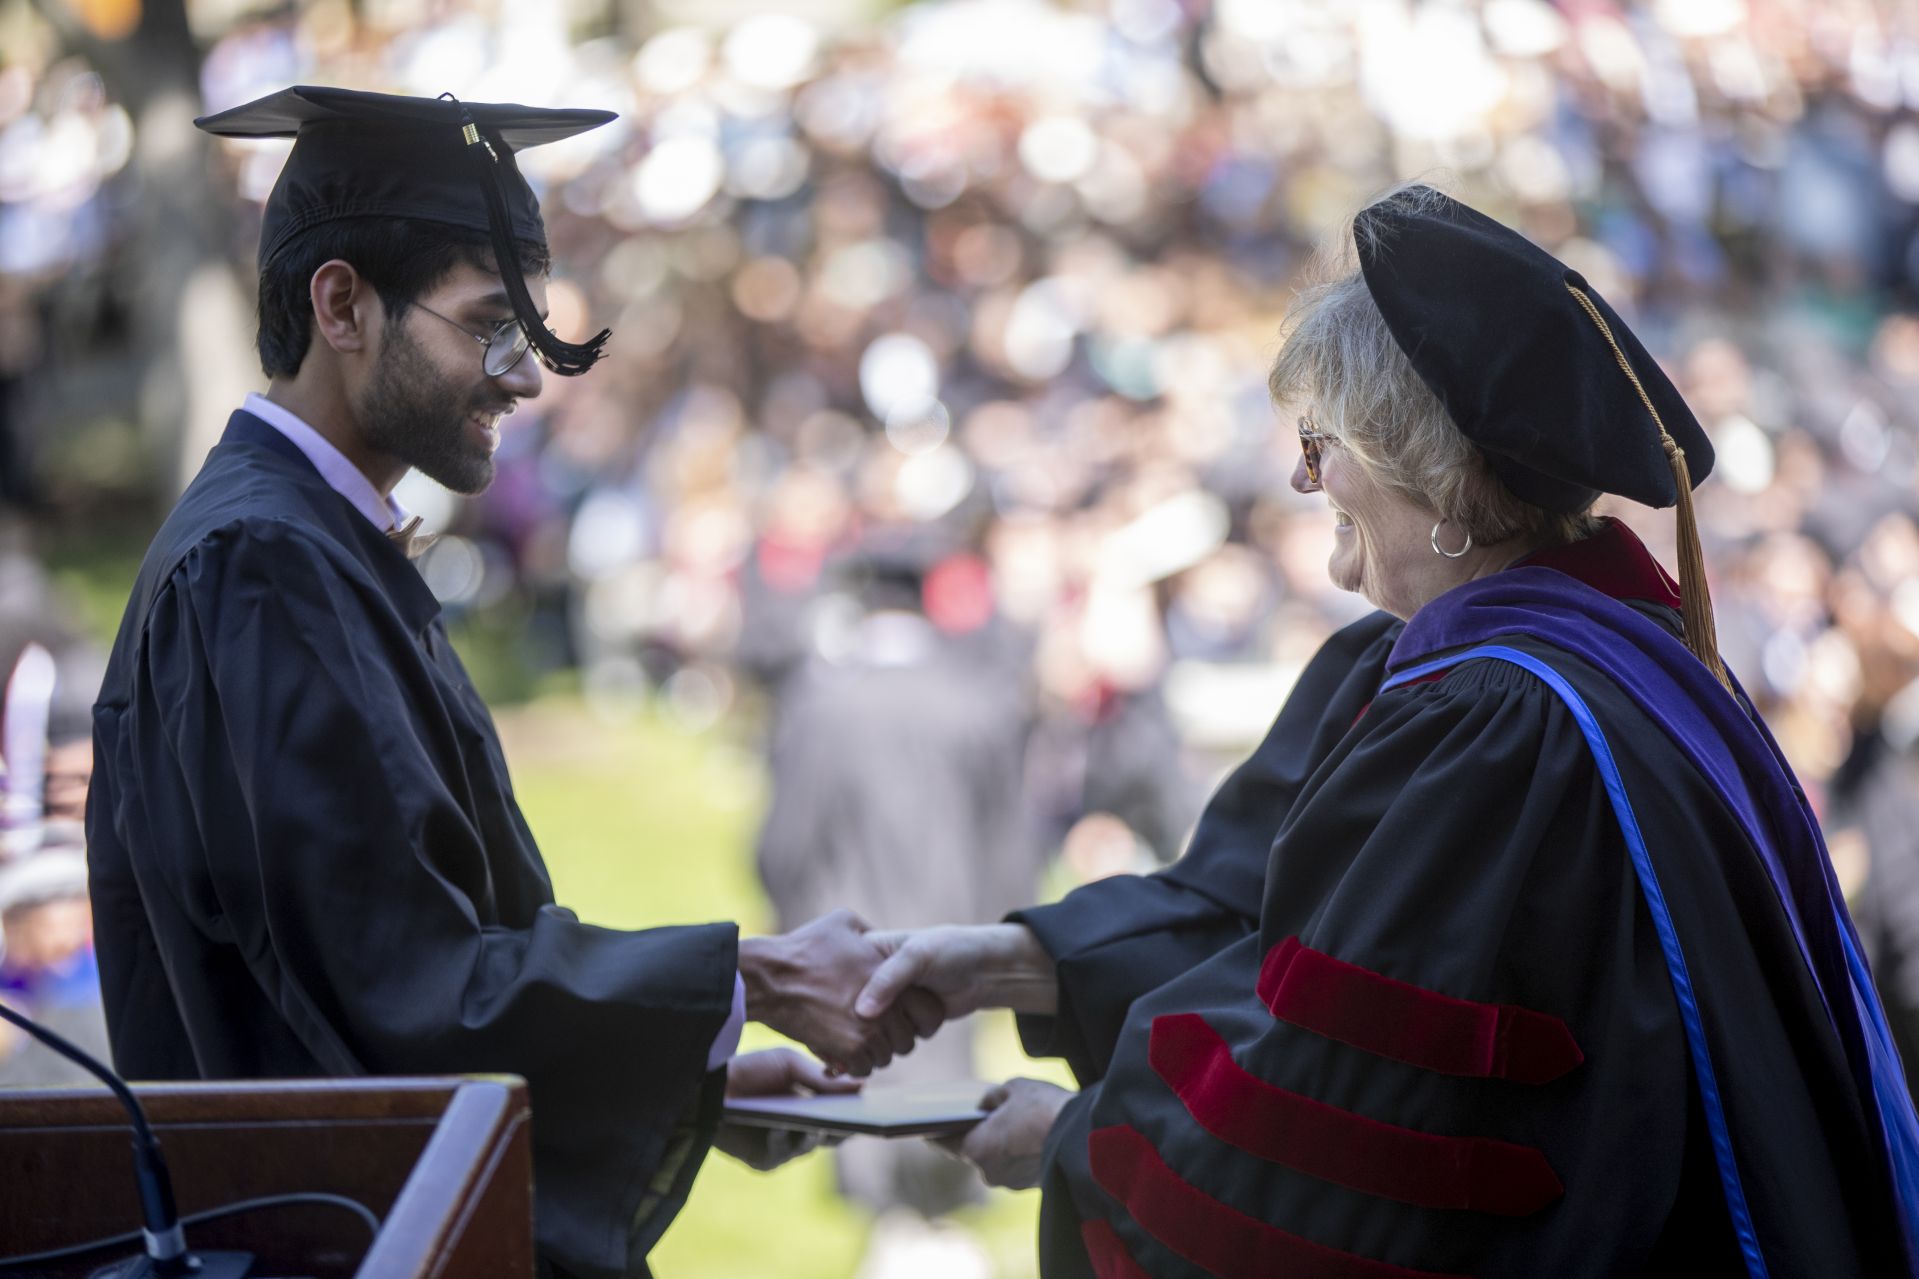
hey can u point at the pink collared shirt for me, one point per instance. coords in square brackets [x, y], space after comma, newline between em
[346, 479]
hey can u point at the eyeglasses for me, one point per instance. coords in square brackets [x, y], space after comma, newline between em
[1311, 443]
[505, 346]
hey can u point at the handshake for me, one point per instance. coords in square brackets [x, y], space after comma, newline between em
[858, 998]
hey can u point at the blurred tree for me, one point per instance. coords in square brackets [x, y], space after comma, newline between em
[188, 309]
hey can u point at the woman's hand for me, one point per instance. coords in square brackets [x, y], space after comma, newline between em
[777, 1072]
[966, 967]
[803, 984]
[1006, 1145]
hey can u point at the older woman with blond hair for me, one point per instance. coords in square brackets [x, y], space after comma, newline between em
[1546, 973]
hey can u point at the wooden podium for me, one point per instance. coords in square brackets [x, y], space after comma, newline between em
[445, 1164]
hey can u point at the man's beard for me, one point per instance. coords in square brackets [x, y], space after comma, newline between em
[412, 412]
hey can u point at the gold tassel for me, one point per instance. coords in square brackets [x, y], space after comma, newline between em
[1695, 601]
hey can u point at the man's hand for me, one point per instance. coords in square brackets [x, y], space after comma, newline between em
[803, 984]
[967, 967]
[1007, 1144]
[777, 1072]
[781, 1072]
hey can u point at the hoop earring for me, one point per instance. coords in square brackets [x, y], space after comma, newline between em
[1451, 555]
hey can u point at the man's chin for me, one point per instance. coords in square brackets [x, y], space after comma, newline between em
[467, 476]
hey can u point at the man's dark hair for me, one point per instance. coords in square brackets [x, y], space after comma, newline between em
[401, 258]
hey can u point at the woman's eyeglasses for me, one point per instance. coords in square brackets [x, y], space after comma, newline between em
[1311, 442]
[505, 345]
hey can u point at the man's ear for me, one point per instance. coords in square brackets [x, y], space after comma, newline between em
[347, 312]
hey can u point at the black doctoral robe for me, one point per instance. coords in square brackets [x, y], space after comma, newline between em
[307, 860]
[1453, 1045]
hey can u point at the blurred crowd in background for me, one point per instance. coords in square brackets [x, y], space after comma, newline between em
[940, 335]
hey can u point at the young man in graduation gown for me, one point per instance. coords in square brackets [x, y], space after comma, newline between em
[305, 852]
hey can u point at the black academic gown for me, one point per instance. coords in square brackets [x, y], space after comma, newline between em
[1113, 940]
[1452, 1047]
[307, 860]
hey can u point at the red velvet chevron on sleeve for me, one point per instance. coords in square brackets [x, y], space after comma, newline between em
[1476, 1173]
[1395, 1019]
[1108, 1255]
[1210, 1234]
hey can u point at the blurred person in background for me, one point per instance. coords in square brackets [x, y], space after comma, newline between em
[896, 772]
[306, 855]
[1106, 764]
[1549, 950]
[1876, 792]
[807, 521]
[47, 965]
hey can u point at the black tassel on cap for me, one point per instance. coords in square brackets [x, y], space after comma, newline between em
[568, 359]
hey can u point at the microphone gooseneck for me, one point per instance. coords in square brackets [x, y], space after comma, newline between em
[165, 1242]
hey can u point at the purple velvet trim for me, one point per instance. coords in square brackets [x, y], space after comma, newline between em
[1731, 748]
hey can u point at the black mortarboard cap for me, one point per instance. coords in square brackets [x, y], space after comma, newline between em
[439, 160]
[1531, 363]
[1537, 370]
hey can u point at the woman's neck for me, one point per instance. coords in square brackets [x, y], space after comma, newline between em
[1445, 572]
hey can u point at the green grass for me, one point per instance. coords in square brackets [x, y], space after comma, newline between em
[92, 578]
[643, 825]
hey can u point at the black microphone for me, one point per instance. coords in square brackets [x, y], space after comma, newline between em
[166, 1256]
